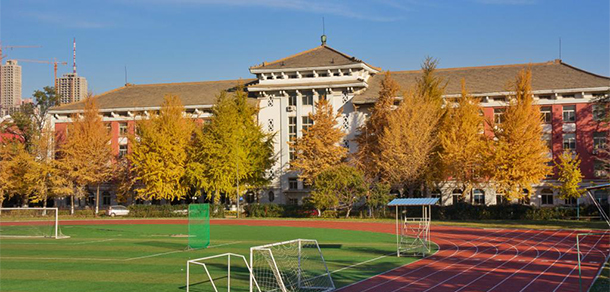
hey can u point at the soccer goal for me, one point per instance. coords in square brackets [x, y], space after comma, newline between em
[213, 267]
[30, 222]
[289, 266]
[199, 226]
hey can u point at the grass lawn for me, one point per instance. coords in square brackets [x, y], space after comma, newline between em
[148, 258]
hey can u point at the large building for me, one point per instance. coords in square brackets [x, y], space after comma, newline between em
[287, 89]
[71, 88]
[10, 87]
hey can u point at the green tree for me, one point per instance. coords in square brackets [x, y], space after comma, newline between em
[378, 197]
[86, 155]
[318, 149]
[159, 152]
[340, 185]
[569, 176]
[519, 156]
[231, 154]
[463, 143]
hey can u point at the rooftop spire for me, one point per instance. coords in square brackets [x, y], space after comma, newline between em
[74, 56]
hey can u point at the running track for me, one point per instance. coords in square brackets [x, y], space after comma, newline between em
[469, 259]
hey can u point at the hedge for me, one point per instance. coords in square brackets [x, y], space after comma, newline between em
[275, 210]
[151, 211]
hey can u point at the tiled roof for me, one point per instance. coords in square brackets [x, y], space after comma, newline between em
[151, 95]
[308, 84]
[317, 57]
[552, 75]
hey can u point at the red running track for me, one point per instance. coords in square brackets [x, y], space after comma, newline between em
[469, 259]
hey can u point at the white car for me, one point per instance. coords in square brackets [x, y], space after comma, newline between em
[117, 210]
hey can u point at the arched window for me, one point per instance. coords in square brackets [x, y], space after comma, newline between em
[479, 197]
[457, 196]
[271, 196]
[546, 197]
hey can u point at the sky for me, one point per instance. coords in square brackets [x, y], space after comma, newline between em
[161, 41]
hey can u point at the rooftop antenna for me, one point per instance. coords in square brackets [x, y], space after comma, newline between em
[74, 56]
[323, 38]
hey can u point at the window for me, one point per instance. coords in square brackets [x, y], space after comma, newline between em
[457, 196]
[293, 201]
[599, 141]
[345, 97]
[292, 100]
[548, 140]
[499, 115]
[570, 201]
[307, 122]
[106, 198]
[546, 197]
[292, 136]
[569, 113]
[270, 101]
[122, 150]
[545, 97]
[479, 197]
[601, 196]
[270, 125]
[307, 99]
[547, 114]
[568, 96]
[436, 194]
[599, 169]
[501, 199]
[122, 128]
[569, 142]
[526, 197]
[293, 183]
[271, 196]
[599, 112]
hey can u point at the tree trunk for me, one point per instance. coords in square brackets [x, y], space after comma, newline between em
[349, 209]
[72, 205]
[97, 200]
[44, 205]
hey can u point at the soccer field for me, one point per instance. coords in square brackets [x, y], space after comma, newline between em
[153, 257]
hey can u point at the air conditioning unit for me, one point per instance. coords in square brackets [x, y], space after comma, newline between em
[291, 108]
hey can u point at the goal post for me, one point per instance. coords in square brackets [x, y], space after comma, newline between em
[209, 262]
[198, 226]
[30, 222]
[289, 266]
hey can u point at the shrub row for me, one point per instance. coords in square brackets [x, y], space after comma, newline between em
[151, 211]
[275, 210]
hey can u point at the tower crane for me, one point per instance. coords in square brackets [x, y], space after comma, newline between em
[54, 62]
[13, 47]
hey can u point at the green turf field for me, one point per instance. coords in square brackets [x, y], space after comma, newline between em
[149, 258]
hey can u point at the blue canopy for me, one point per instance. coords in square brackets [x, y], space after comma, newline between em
[413, 202]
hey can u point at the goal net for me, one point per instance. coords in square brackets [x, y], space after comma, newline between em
[199, 226]
[30, 222]
[289, 266]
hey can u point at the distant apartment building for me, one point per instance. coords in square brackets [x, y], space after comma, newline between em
[10, 87]
[286, 91]
[71, 88]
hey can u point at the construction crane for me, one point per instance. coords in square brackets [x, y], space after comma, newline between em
[13, 47]
[54, 62]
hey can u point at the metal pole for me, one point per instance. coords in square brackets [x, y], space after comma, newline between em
[237, 180]
[299, 270]
[56, 223]
[577, 208]
[188, 273]
[579, 270]
[397, 242]
[229, 274]
[251, 270]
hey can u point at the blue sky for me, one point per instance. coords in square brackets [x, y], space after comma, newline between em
[194, 40]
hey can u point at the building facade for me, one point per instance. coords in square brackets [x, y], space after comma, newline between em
[10, 87]
[71, 88]
[286, 90]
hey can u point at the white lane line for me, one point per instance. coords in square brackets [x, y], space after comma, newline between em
[93, 241]
[362, 263]
[582, 258]
[176, 251]
[69, 259]
[457, 249]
